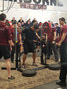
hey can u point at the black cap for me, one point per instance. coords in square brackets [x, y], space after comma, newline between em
[2, 17]
[62, 19]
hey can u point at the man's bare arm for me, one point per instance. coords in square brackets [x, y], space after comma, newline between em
[63, 37]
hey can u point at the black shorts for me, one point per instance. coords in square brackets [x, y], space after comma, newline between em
[44, 50]
[4, 52]
[38, 44]
[29, 48]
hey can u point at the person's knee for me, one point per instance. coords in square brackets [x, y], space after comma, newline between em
[25, 55]
[8, 60]
[34, 53]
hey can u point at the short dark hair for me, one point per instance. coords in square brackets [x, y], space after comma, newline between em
[2, 17]
[35, 24]
[56, 23]
[62, 19]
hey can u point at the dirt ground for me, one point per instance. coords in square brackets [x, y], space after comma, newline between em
[43, 76]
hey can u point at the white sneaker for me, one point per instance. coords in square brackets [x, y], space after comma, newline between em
[34, 64]
[23, 66]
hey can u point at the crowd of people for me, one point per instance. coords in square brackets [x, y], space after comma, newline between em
[52, 34]
[50, 37]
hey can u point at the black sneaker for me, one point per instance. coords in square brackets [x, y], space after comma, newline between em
[11, 78]
[42, 63]
[63, 84]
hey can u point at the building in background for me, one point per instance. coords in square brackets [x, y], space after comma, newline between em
[55, 10]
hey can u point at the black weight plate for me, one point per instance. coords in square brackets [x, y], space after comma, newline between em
[54, 66]
[29, 72]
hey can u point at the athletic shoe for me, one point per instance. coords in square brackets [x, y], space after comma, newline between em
[34, 64]
[42, 63]
[11, 78]
[63, 84]
[23, 66]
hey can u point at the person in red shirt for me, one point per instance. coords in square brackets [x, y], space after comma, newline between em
[62, 43]
[12, 32]
[51, 37]
[5, 43]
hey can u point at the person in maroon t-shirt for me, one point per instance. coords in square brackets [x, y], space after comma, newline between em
[5, 43]
[12, 32]
[51, 37]
[62, 43]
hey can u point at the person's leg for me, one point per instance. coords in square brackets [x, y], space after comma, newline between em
[63, 70]
[55, 49]
[33, 50]
[25, 53]
[61, 55]
[62, 76]
[34, 57]
[49, 46]
[63, 52]
[6, 54]
[24, 58]
[62, 81]
[63, 62]
[8, 64]
[42, 61]
[12, 54]
[38, 47]
[17, 54]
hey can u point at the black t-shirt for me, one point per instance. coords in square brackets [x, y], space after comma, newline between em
[21, 21]
[29, 36]
[13, 21]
